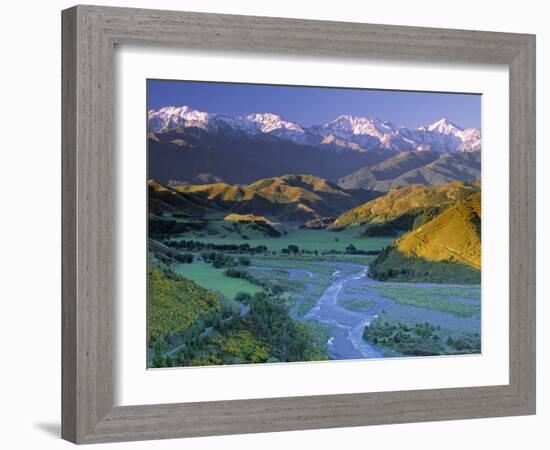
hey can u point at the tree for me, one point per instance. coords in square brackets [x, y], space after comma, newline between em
[293, 248]
[351, 248]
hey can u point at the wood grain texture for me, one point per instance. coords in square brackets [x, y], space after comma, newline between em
[522, 188]
[89, 36]
[87, 238]
[68, 224]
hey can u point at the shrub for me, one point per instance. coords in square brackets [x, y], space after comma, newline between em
[174, 303]
[186, 258]
[243, 297]
[244, 261]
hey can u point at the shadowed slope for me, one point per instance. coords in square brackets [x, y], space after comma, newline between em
[407, 168]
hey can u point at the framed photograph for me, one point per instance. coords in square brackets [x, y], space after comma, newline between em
[277, 224]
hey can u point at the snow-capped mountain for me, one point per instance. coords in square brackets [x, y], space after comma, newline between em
[468, 139]
[442, 126]
[471, 140]
[268, 122]
[366, 132]
[344, 133]
[170, 117]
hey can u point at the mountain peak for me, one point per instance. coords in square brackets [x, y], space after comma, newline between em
[443, 126]
[355, 119]
[264, 117]
[170, 116]
[270, 122]
[173, 109]
[358, 125]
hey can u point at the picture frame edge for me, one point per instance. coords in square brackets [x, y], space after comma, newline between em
[89, 34]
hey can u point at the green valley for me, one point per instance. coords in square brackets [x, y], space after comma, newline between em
[227, 262]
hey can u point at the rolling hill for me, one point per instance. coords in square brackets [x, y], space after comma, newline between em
[426, 167]
[325, 197]
[454, 235]
[445, 249]
[163, 198]
[292, 198]
[412, 200]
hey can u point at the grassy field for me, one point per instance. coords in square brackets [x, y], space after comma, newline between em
[320, 240]
[295, 263]
[356, 304]
[362, 260]
[213, 279]
[450, 300]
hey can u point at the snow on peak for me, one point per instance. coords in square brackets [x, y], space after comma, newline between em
[269, 122]
[264, 117]
[169, 117]
[443, 126]
[367, 132]
[345, 132]
[359, 125]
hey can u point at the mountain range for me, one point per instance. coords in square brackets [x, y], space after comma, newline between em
[195, 146]
[192, 154]
[345, 132]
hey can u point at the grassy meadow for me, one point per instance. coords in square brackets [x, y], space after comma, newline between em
[309, 240]
[214, 280]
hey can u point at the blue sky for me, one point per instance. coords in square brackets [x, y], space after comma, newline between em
[312, 105]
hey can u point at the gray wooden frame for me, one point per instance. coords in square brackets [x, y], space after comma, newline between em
[89, 36]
